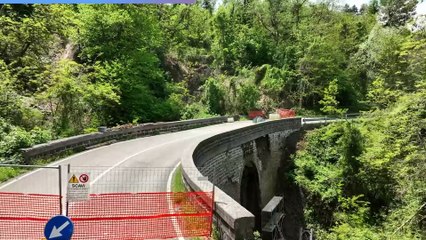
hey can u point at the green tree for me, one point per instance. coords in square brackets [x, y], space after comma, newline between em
[395, 13]
[73, 102]
[248, 97]
[107, 32]
[330, 102]
[363, 180]
[214, 97]
[321, 61]
[327, 169]
[373, 8]
[15, 108]
[120, 43]
[29, 40]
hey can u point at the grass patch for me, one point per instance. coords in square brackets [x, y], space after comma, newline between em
[243, 118]
[179, 186]
[7, 173]
[177, 181]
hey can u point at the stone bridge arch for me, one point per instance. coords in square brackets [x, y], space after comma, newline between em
[250, 192]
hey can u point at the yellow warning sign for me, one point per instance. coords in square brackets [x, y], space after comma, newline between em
[73, 179]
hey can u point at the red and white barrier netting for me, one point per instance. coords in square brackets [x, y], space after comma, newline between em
[111, 216]
[143, 215]
[23, 216]
[125, 204]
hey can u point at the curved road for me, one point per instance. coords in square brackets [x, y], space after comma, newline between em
[139, 165]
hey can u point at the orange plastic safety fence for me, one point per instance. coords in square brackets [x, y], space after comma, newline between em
[286, 113]
[23, 216]
[143, 215]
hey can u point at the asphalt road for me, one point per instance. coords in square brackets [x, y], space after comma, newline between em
[139, 165]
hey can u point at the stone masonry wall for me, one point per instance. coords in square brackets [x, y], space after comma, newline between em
[225, 169]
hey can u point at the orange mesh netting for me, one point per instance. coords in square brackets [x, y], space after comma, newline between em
[111, 216]
[23, 216]
[143, 215]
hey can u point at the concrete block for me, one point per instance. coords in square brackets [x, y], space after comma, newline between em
[274, 116]
[275, 205]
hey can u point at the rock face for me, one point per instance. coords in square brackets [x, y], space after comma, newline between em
[177, 71]
[69, 51]
[194, 71]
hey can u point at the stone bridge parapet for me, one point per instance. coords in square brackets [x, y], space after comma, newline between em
[93, 139]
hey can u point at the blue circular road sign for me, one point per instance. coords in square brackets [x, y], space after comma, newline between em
[59, 228]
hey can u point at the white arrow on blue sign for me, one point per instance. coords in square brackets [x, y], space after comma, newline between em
[59, 228]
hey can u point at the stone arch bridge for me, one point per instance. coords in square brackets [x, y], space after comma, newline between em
[248, 167]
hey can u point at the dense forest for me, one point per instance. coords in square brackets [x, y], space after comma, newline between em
[67, 69]
[366, 179]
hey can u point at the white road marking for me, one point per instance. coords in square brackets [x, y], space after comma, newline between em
[50, 165]
[134, 155]
[59, 162]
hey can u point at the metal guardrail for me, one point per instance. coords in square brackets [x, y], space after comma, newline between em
[352, 115]
[327, 119]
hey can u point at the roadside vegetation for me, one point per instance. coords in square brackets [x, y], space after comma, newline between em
[177, 181]
[7, 173]
[179, 186]
[68, 69]
[366, 179]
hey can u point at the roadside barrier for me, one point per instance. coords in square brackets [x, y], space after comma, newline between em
[23, 216]
[103, 212]
[142, 215]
